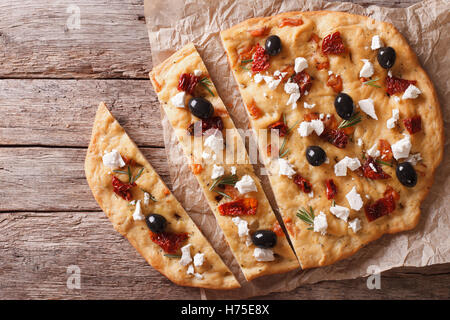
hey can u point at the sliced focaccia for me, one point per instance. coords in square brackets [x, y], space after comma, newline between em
[366, 129]
[233, 191]
[143, 210]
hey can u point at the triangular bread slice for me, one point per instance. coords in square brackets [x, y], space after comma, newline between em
[211, 161]
[108, 135]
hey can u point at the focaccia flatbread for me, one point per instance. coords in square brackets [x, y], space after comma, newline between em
[178, 79]
[396, 119]
[152, 196]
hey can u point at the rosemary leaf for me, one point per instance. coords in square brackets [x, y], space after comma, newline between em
[205, 82]
[222, 194]
[130, 177]
[371, 83]
[293, 126]
[246, 61]
[175, 256]
[120, 171]
[385, 163]
[229, 180]
[133, 180]
[355, 119]
[305, 216]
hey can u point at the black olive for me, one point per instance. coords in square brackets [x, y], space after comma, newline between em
[201, 108]
[264, 238]
[344, 106]
[386, 57]
[315, 155]
[406, 174]
[156, 222]
[273, 45]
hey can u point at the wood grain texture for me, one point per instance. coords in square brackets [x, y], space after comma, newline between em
[44, 130]
[61, 112]
[36, 42]
[53, 179]
[33, 265]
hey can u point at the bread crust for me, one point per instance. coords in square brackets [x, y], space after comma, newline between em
[312, 248]
[107, 134]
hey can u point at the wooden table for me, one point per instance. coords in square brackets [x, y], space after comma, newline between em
[52, 79]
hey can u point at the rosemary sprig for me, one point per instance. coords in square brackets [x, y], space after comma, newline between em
[133, 180]
[333, 203]
[371, 83]
[245, 68]
[149, 195]
[120, 171]
[283, 152]
[355, 119]
[307, 217]
[292, 127]
[229, 180]
[385, 163]
[223, 194]
[175, 256]
[246, 61]
[205, 82]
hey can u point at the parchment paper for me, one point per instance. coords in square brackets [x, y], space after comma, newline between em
[173, 23]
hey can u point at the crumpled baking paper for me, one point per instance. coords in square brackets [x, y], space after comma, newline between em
[173, 23]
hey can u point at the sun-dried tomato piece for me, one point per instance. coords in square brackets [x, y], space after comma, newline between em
[187, 82]
[253, 110]
[232, 192]
[333, 44]
[170, 242]
[196, 168]
[289, 70]
[290, 22]
[302, 183]
[240, 207]
[303, 80]
[390, 191]
[330, 122]
[314, 37]
[259, 32]
[413, 124]
[385, 150]
[280, 126]
[380, 208]
[396, 85]
[260, 60]
[247, 52]
[336, 137]
[322, 65]
[122, 189]
[334, 81]
[198, 128]
[311, 116]
[331, 189]
[372, 170]
[277, 229]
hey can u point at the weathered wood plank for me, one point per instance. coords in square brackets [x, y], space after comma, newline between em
[403, 283]
[61, 112]
[112, 42]
[38, 247]
[53, 179]
[37, 40]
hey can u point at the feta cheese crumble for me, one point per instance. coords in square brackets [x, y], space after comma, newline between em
[242, 226]
[355, 225]
[246, 184]
[414, 158]
[340, 168]
[376, 43]
[360, 142]
[354, 199]
[263, 254]
[374, 152]
[233, 170]
[366, 70]
[199, 258]
[146, 198]
[113, 159]
[272, 83]
[197, 72]
[217, 172]
[137, 215]
[306, 105]
[307, 127]
[178, 99]
[214, 141]
[285, 168]
[401, 148]
[390, 123]
[412, 92]
[300, 64]
[258, 78]
[368, 107]
[186, 255]
[340, 212]
[320, 223]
